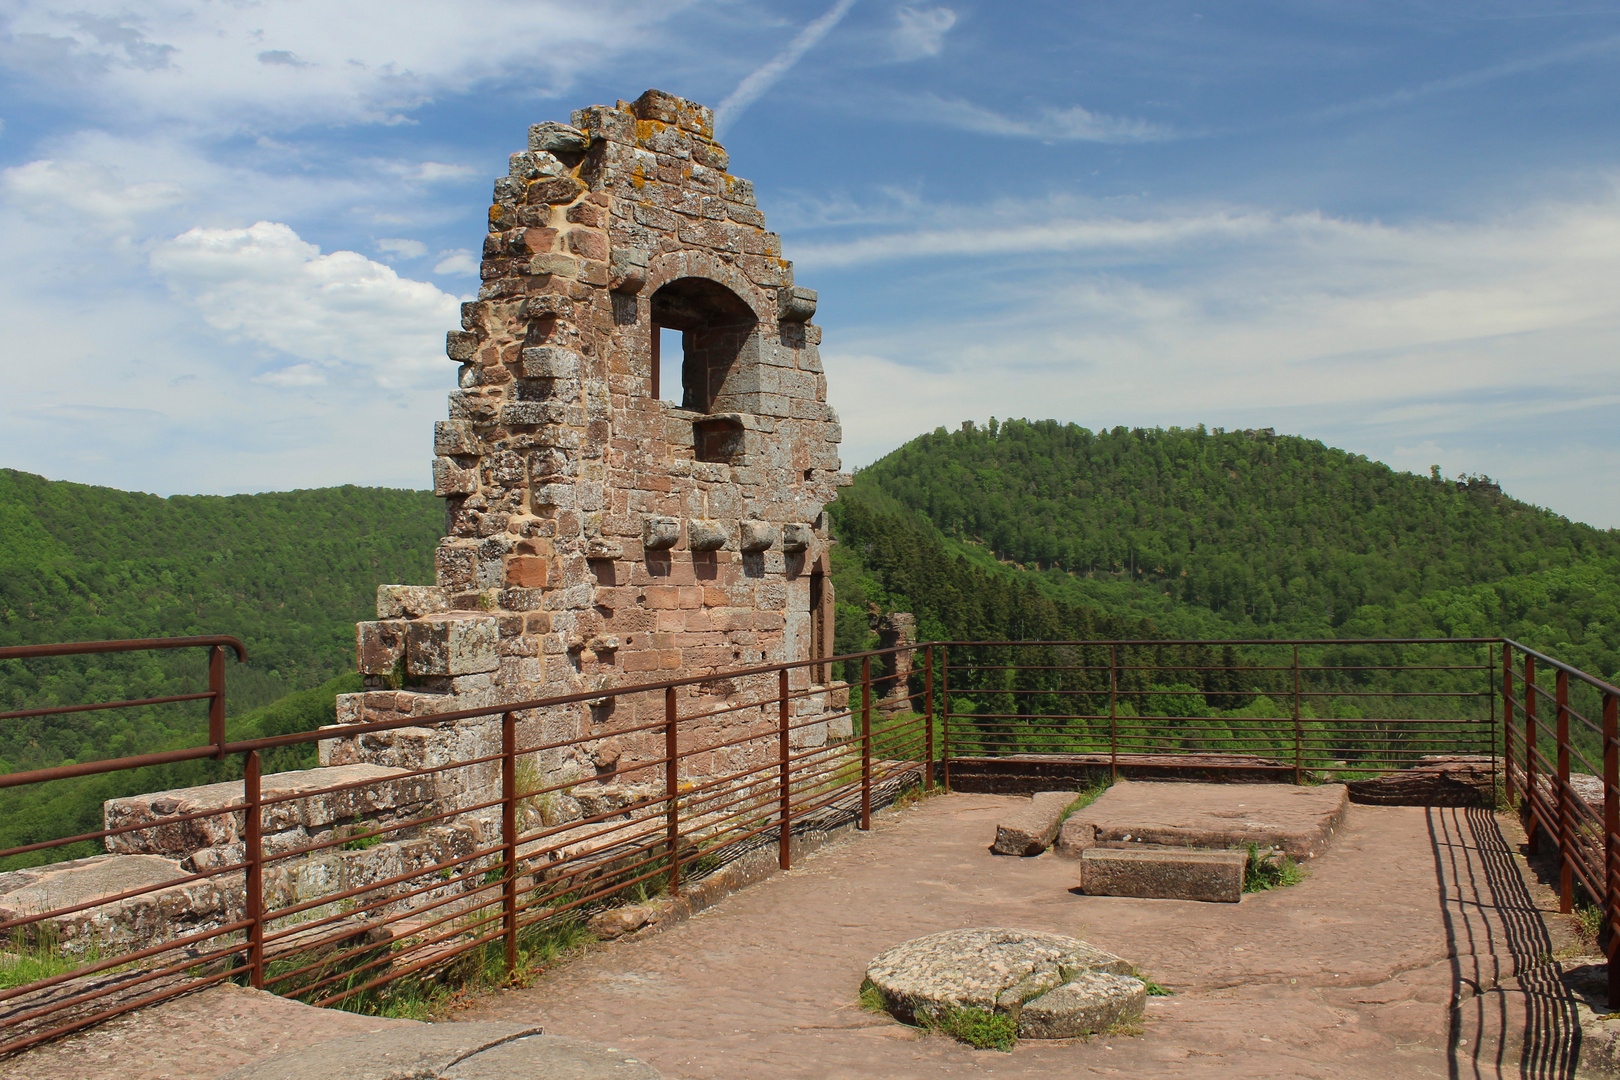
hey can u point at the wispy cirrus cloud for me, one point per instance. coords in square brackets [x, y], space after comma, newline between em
[1046, 123]
[761, 79]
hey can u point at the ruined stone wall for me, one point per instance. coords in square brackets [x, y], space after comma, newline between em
[598, 535]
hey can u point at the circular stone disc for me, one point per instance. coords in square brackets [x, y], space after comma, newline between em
[1056, 987]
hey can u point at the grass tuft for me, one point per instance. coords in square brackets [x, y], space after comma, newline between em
[978, 1028]
[872, 999]
[1154, 989]
[1262, 874]
[1086, 795]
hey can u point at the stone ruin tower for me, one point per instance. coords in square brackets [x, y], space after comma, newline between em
[597, 533]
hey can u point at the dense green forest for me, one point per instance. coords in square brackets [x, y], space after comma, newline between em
[1016, 530]
[288, 573]
[1212, 533]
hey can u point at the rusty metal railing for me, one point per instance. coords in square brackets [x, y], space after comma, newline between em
[1342, 707]
[488, 860]
[519, 822]
[1577, 809]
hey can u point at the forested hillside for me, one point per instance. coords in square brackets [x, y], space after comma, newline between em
[1217, 533]
[289, 573]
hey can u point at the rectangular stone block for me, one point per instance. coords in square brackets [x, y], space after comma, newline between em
[378, 646]
[410, 601]
[1030, 830]
[455, 643]
[1161, 873]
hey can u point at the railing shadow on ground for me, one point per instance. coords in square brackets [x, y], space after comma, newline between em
[1514, 1020]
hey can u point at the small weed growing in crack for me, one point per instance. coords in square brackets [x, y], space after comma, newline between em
[1588, 920]
[1154, 989]
[1261, 874]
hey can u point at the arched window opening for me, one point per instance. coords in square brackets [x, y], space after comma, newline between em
[715, 327]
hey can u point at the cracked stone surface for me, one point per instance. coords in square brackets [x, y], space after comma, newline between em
[1055, 986]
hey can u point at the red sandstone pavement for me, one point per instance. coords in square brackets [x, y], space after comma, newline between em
[1350, 974]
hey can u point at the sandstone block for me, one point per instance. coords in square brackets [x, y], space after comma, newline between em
[1031, 830]
[527, 571]
[455, 643]
[378, 646]
[550, 362]
[796, 537]
[410, 601]
[459, 345]
[451, 479]
[555, 138]
[1164, 873]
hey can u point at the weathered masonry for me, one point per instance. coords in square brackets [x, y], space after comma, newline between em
[603, 529]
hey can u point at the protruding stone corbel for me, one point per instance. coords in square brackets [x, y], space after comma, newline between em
[660, 533]
[703, 534]
[795, 304]
[796, 537]
[627, 269]
[757, 536]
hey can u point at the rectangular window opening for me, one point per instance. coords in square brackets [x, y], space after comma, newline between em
[669, 351]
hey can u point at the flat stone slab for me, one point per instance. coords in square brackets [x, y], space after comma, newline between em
[1053, 986]
[384, 794]
[465, 1051]
[1159, 873]
[1299, 821]
[64, 884]
[1032, 828]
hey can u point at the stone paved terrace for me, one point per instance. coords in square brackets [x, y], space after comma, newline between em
[1350, 974]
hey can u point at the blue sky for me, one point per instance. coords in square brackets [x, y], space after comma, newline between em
[235, 233]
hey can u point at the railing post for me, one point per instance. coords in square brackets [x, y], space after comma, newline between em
[254, 892]
[928, 718]
[1532, 832]
[1566, 847]
[784, 853]
[1490, 695]
[945, 720]
[216, 703]
[509, 836]
[866, 742]
[1298, 731]
[1113, 713]
[1509, 718]
[672, 792]
[1611, 849]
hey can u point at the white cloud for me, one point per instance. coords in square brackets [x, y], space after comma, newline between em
[432, 172]
[405, 249]
[1046, 123]
[76, 190]
[296, 375]
[266, 286]
[920, 32]
[459, 261]
[762, 78]
[305, 61]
